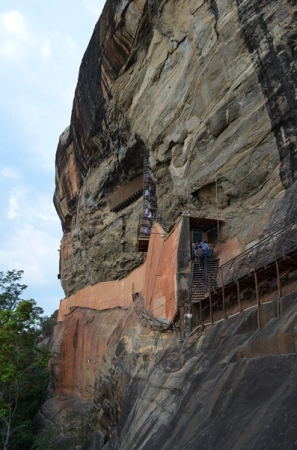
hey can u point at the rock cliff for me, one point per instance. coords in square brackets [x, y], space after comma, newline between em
[207, 89]
[233, 386]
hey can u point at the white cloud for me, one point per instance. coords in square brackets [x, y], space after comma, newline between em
[46, 51]
[33, 250]
[13, 210]
[9, 172]
[34, 236]
[42, 212]
[14, 24]
[33, 208]
[31, 244]
[14, 204]
[14, 35]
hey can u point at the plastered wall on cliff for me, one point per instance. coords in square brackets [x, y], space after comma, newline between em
[208, 88]
[162, 281]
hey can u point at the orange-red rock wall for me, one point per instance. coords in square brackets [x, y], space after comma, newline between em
[79, 344]
[155, 279]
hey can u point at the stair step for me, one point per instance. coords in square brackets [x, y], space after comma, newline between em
[203, 279]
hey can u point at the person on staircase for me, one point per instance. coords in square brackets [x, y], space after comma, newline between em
[147, 210]
[195, 250]
[198, 254]
[148, 176]
[206, 250]
[146, 230]
[147, 193]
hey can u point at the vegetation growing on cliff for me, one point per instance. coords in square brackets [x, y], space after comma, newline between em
[68, 432]
[23, 375]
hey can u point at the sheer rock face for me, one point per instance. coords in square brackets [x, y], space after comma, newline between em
[234, 386]
[96, 354]
[208, 88]
[78, 345]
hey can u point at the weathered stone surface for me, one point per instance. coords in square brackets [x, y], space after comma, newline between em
[231, 387]
[209, 89]
[225, 389]
[94, 442]
[131, 349]
[78, 346]
[115, 340]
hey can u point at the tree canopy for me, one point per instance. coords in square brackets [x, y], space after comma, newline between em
[23, 374]
[11, 288]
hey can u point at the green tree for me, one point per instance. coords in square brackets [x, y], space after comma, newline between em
[11, 288]
[47, 325]
[23, 374]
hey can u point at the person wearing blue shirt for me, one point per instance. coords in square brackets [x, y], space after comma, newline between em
[206, 249]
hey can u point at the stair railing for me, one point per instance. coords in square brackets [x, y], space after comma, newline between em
[275, 246]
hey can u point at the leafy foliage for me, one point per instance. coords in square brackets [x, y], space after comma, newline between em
[11, 288]
[23, 375]
[47, 324]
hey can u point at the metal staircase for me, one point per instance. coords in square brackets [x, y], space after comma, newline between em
[150, 208]
[204, 278]
[243, 281]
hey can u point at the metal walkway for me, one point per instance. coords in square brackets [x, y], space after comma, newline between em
[271, 260]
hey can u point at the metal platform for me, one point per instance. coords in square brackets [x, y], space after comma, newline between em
[271, 260]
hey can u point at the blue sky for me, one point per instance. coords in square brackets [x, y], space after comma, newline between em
[42, 43]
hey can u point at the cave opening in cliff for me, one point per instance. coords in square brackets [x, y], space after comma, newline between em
[204, 229]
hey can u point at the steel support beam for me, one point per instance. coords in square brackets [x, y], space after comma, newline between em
[258, 300]
[238, 297]
[210, 308]
[279, 286]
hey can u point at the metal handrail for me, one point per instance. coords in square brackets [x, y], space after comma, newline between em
[273, 247]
